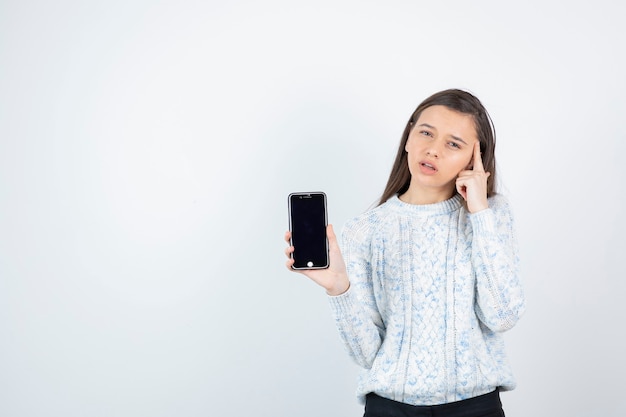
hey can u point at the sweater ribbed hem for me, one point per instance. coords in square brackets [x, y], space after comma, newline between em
[483, 221]
[342, 302]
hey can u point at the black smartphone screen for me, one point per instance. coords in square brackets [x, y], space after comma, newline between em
[307, 222]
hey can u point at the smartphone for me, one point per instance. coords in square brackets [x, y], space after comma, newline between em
[307, 222]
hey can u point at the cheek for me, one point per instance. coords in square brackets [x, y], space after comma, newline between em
[463, 163]
[410, 144]
[469, 161]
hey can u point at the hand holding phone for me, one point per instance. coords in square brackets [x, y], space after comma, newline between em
[313, 248]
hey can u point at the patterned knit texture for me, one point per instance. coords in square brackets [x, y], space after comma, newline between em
[432, 288]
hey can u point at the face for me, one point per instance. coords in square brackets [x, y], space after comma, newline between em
[439, 147]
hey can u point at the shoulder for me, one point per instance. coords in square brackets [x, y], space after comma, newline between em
[500, 212]
[363, 226]
[498, 215]
[500, 205]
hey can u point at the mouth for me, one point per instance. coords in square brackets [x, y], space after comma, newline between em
[428, 167]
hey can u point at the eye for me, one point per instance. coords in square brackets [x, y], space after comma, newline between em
[425, 133]
[454, 145]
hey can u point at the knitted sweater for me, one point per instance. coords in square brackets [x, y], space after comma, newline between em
[432, 288]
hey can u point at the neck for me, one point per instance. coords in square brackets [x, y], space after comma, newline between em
[426, 196]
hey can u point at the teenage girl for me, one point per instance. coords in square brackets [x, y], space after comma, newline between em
[425, 283]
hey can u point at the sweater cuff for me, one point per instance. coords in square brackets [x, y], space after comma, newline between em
[343, 302]
[483, 221]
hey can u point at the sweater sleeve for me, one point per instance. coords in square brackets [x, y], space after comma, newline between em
[500, 300]
[356, 314]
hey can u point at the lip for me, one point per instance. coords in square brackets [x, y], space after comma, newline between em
[428, 167]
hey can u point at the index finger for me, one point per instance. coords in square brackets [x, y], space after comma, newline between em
[478, 160]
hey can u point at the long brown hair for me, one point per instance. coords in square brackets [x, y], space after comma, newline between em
[457, 100]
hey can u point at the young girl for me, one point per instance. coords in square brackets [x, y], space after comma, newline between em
[427, 282]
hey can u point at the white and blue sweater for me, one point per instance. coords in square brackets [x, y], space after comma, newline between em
[432, 288]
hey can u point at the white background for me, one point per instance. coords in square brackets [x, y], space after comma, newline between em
[147, 149]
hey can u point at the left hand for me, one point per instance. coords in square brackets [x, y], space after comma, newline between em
[472, 183]
[334, 278]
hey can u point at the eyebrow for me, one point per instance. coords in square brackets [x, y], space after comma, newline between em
[458, 139]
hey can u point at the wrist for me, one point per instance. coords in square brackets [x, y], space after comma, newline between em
[475, 208]
[339, 288]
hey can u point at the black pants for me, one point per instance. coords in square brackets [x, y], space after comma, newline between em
[487, 405]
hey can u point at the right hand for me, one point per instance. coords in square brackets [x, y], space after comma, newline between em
[334, 279]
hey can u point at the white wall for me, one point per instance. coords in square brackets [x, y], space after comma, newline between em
[147, 150]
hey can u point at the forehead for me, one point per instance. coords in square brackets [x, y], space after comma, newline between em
[448, 121]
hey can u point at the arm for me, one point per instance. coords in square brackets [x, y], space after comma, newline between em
[359, 330]
[356, 314]
[500, 298]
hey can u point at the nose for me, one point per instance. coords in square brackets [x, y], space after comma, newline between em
[432, 151]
